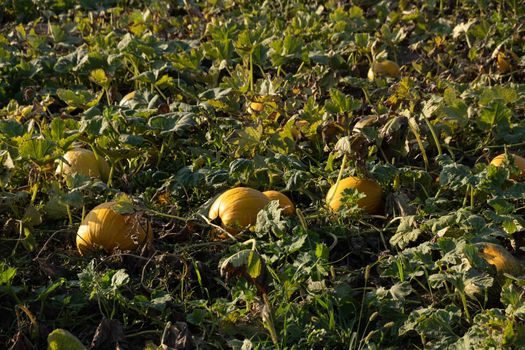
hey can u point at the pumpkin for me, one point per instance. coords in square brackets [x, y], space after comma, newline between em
[105, 228]
[237, 208]
[256, 106]
[284, 202]
[501, 258]
[519, 162]
[503, 63]
[297, 127]
[372, 203]
[83, 161]
[383, 68]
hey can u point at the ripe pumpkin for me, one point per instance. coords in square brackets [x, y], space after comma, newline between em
[383, 68]
[256, 106]
[83, 161]
[504, 65]
[103, 227]
[519, 162]
[237, 208]
[284, 202]
[372, 203]
[501, 258]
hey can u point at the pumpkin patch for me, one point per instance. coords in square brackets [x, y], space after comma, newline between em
[233, 174]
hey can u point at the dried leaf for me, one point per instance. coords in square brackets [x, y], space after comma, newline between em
[248, 264]
[109, 335]
[176, 336]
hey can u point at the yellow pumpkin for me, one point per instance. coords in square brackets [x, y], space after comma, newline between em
[383, 68]
[284, 202]
[256, 106]
[237, 208]
[105, 228]
[503, 62]
[501, 258]
[83, 161]
[519, 162]
[372, 203]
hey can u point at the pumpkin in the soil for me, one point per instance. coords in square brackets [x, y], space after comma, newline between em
[237, 208]
[501, 258]
[256, 106]
[504, 65]
[372, 203]
[383, 68]
[83, 161]
[104, 228]
[284, 202]
[519, 162]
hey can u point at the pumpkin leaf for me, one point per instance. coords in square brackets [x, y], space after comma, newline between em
[343, 145]
[512, 296]
[7, 273]
[120, 278]
[79, 98]
[99, 77]
[39, 150]
[270, 220]
[11, 128]
[321, 251]
[60, 339]
[124, 204]
[248, 264]
[433, 323]
[176, 122]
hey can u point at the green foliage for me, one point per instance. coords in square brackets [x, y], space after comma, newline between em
[60, 339]
[186, 99]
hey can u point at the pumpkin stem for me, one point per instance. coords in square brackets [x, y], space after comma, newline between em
[339, 176]
[154, 212]
[252, 241]
[267, 317]
[218, 227]
[412, 123]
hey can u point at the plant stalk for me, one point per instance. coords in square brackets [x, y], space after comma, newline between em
[339, 176]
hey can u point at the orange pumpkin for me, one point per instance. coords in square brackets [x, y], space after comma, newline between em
[105, 228]
[519, 162]
[501, 258]
[284, 202]
[372, 203]
[237, 208]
